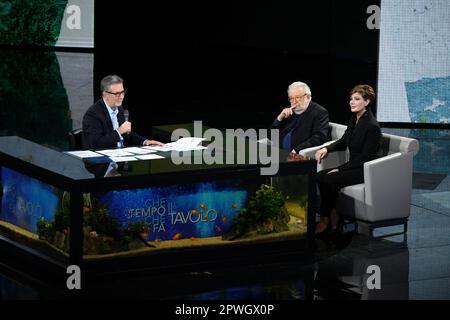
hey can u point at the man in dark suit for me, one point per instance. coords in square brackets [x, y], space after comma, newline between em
[104, 124]
[305, 123]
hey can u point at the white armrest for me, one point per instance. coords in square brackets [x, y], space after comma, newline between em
[312, 150]
[388, 184]
[332, 160]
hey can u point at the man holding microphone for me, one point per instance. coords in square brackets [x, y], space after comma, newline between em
[105, 124]
[304, 123]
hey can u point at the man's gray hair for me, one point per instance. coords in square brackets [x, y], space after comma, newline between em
[299, 84]
[107, 81]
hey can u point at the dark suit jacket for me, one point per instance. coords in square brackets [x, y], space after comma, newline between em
[363, 140]
[98, 129]
[310, 128]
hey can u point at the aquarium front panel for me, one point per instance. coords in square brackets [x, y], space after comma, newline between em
[198, 210]
[26, 200]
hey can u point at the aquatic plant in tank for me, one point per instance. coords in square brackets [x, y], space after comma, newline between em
[101, 232]
[264, 213]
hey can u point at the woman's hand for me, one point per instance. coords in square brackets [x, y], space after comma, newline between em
[320, 154]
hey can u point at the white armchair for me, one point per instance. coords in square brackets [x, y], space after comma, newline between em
[384, 199]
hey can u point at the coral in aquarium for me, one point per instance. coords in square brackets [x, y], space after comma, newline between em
[265, 213]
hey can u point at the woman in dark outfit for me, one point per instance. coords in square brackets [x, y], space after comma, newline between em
[363, 138]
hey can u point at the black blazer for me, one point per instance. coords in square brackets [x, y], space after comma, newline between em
[363, 140]
[98, 129]
[310, 128]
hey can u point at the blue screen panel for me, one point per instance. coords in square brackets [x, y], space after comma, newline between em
[183, 211]
[25, 200]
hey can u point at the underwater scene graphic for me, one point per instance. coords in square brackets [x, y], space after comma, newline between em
[25, 200]
[198, 210]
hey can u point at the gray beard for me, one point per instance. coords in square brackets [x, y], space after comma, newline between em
[298, 110]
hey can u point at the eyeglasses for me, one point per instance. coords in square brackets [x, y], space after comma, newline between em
[296, 98]
[117, 94]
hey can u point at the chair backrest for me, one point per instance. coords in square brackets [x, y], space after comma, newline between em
[337, 130]
[75, 139]
[391, 144]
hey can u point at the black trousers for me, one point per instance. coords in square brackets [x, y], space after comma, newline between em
[330, 184]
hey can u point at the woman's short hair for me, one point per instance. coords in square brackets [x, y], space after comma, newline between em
[365, 91]
[106, 82]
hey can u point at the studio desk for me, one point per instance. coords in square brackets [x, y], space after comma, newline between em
[59, 210]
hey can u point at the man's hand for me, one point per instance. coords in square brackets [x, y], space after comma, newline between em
[320, 154]
[286, 113]
[125, 128]
[152, 143]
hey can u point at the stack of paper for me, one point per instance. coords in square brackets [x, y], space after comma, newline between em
[115, 153]
[130, 154]
[149, 157]
[136, 150]
[158, 148]
[84, 154]
[183, 144]
[124, 154]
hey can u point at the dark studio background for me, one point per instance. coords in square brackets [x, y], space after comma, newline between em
[229, 63]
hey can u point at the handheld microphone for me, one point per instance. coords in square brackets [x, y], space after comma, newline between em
[126, 115]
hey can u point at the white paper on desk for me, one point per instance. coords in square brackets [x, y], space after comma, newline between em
[84, 154]
[194, 148]
[159, 148]
[115, 153]
[137, 150]
[186, 142]
[149, 157]
[122, 159]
